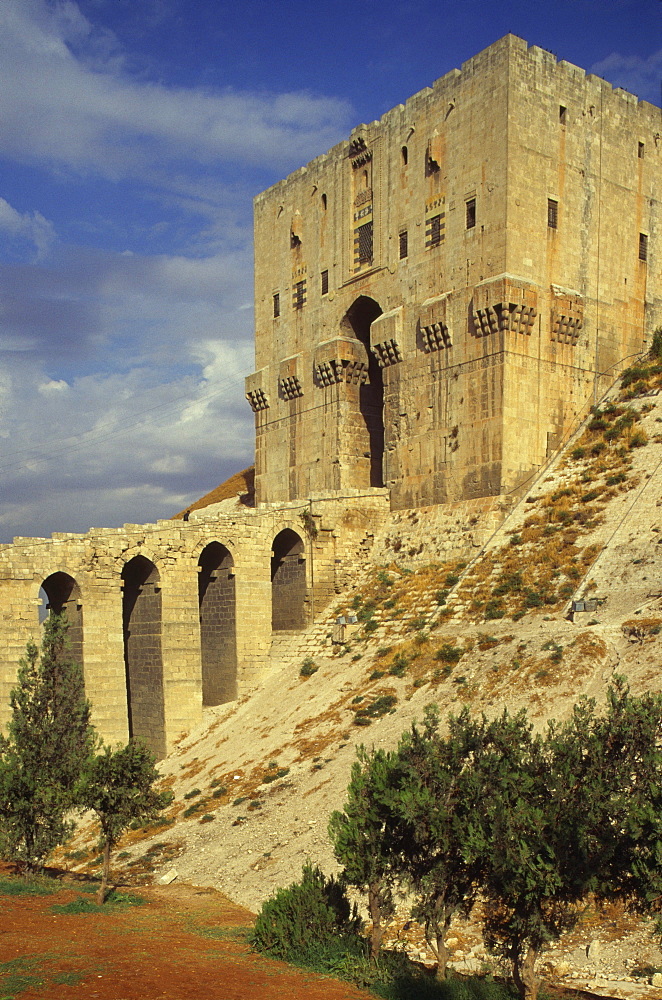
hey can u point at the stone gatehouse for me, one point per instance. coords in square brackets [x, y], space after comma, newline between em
[439, 297]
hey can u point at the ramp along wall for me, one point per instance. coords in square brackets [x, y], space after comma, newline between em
[170, 617]
[438, 296]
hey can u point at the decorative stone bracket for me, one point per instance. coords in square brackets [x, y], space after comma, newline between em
[505, 303]
[567, 315]
[290, 377]
[434, 323]
[386, 337]
[341, 360]
[256, 390]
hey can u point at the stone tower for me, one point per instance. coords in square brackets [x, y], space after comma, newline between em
[440, 297]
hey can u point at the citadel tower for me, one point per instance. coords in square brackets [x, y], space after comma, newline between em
[439, 297]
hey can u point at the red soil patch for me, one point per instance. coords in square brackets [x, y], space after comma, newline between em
[145, 952]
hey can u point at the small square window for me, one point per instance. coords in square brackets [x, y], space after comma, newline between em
[552, 213]
[299, 294]
[643, 246]
[641, 150]
[276, 305]
[471, 213]
[563, 114]
[325, 282]
[403, 242]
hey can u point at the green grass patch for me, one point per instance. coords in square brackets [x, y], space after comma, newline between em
[28, 886]
[114, 901]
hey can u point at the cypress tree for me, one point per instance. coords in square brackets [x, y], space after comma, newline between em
[49, 738]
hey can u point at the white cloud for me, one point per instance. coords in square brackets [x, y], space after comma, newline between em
[53, 385]
[31, 226]
[126, 411]
[638, 75]
[91, 117]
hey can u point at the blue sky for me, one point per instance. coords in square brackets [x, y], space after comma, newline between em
[133, 137]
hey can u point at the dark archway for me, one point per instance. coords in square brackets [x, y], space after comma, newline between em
[141, 619]
[288, 581]
[356, 323]
[63, 598]
[216, 597]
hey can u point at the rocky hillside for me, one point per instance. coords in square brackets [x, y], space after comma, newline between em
[254, 786]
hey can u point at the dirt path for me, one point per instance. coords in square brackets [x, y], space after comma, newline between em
[183, 945]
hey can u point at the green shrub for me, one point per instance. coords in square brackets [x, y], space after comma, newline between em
[448, 654]
[493, 610]
[196, 807]
[656, 345]
[308, 667]
[440, 596]
[272, 775]
[219, 792]
[366, 611]
[533, 599]
[638, 439]
[306, 915]
[398, 665]
[378, 706]
[192, 793]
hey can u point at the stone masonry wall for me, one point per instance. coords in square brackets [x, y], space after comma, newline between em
[166, 684]
[475, 258]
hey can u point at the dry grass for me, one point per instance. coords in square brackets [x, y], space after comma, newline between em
[642, 628]
[544, 561]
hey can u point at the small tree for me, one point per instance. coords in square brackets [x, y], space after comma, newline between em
[49, 738]
[363, 836]
[436, 812]
[530, 895]
[308, 915]
[117, 785]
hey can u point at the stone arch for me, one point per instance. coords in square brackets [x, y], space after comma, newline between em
[288, 581]
[143, 660]
[217, 605]
[356, 323]
[63, 597]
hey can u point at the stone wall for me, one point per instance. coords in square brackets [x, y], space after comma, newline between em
[152, 651]
[439, 296]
